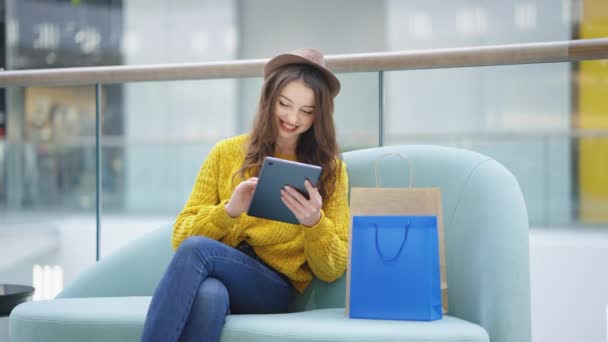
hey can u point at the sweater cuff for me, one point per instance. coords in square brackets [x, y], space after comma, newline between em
[318, 230]
[220, 218]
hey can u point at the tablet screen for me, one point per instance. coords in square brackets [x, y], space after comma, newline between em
[275, 174]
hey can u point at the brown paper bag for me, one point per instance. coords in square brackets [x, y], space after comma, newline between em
[399, 201]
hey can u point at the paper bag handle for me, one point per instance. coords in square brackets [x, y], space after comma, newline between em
[409, 162]
[379, 250]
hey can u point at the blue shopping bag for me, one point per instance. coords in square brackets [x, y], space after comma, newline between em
[395, 272]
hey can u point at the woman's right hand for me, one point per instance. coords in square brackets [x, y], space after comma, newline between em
[241, 197]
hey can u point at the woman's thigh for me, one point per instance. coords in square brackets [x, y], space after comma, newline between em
[252, 287]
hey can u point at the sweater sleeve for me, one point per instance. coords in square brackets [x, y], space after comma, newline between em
[204, 214]
[326, 243]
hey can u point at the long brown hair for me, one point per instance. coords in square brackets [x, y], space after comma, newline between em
[315, 146]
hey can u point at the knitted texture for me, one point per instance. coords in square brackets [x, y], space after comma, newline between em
[297, 251]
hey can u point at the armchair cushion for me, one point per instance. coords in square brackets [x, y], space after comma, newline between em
[122, 318]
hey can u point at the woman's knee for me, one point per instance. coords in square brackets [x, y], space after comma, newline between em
[208, 313]
[195, 244]
[212, 296]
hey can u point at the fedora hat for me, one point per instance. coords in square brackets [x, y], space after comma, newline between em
[305, 56]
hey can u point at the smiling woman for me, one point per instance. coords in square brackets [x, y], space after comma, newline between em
[229, 263]
[295, 114]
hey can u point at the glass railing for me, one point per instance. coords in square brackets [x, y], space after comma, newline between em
[48, 175]
[85, 168]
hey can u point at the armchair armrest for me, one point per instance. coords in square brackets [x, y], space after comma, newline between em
[133, 270]
[488, 253]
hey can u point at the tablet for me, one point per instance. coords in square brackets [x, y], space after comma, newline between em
[275, 174]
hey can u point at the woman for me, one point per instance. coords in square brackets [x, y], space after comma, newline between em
[229, 263]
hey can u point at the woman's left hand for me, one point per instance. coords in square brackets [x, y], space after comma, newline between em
[307, 211]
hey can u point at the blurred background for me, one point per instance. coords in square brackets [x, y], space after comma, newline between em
[547, 123]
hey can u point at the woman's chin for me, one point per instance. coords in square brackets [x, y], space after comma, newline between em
[286, 135]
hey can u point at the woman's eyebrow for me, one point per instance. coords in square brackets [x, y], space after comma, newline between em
[288, 99]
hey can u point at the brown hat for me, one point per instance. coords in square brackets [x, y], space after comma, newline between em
[305, 56]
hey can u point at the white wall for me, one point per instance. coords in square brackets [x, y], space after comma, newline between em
[569, 285]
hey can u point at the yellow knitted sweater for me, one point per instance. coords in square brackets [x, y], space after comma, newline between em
[296, 251]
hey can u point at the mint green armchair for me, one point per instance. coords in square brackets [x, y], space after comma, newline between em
[486, 240]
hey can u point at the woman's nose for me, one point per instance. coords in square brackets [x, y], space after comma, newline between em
[291, 116]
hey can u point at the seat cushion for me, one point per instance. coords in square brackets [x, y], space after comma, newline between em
[122, 318]
[79, 319]
[333, 325]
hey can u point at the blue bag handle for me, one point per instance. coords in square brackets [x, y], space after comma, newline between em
[384, 258]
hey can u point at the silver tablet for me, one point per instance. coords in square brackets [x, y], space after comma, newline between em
[275, 174]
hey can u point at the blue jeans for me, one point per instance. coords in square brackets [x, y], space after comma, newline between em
[205, 281]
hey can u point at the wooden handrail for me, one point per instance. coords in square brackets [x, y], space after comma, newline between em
[547, 52]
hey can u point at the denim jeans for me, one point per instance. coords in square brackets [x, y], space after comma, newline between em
[205, 281]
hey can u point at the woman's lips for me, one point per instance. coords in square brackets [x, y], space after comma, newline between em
[287, 127]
